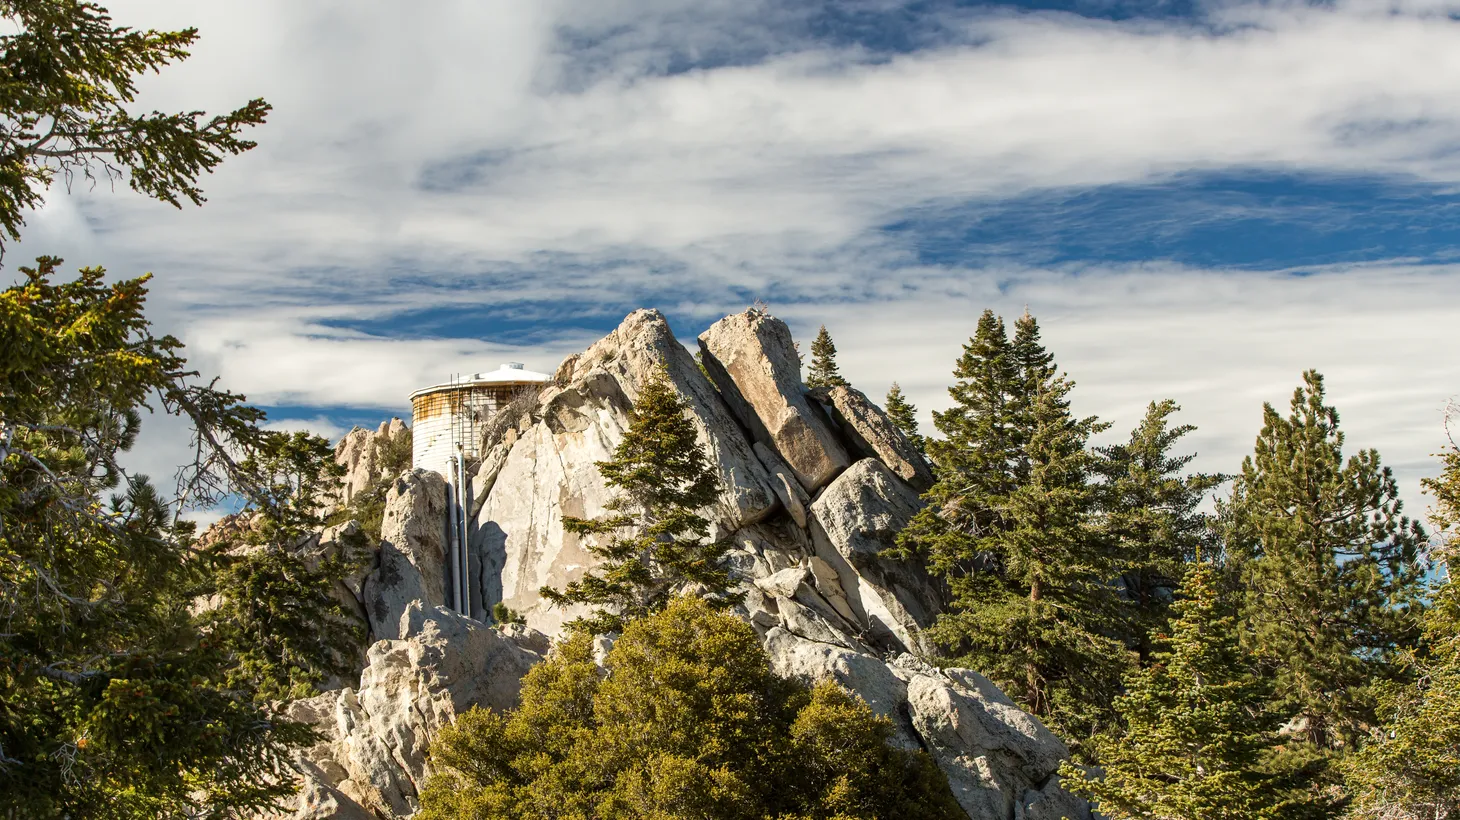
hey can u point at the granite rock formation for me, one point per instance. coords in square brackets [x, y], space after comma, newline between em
[815, 486]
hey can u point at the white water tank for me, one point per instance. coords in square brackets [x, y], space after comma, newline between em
[446, 415]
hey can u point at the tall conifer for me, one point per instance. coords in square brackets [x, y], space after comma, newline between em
[1410, 768]
[1010, 525]
[904, 416]
[824, 371]
[973, 460]
[1197, 726]
[1330, 565]
[1150, 516]
[657, 539]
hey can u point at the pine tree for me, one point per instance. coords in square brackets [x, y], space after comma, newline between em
[1010, 524]
[1197, 726]
[657, 539]
[824, 372]
[1330, 566]
[904, 416]
[1150, 516]
[115, 701]
[1410, 768]
[1033, 369]
[69, 101]
[277, 614]
[973, 460]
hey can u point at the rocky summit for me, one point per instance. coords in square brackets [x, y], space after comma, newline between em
[815, 485]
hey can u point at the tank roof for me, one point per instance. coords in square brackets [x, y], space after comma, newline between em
[508, 373]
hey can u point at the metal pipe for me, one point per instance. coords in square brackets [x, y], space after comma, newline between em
[454, 600]
[463, 535]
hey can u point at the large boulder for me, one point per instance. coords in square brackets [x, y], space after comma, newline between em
[754, 362]
[643, 346]
[873, 435]
[853, 521]
[1000, 761]
[550, 469]
[411, 562]
[371, 760]
[359, 453]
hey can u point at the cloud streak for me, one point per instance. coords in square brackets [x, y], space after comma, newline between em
[563, 162]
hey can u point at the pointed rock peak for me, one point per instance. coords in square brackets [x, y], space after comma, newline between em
[753, 361]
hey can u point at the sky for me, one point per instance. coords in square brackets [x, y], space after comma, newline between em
[1198, 201]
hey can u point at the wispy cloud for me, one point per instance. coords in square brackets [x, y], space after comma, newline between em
[562, 162]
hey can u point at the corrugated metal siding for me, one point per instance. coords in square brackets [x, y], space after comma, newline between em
[435, 419]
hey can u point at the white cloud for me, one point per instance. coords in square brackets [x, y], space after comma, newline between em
[1220, 343]
[582, 173]
[283, 362]
[319, 426]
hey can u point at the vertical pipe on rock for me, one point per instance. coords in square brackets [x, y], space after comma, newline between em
[463, 536]
[454, 598]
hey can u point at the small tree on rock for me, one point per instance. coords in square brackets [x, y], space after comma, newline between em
[824, 371]
[657, 540]
[904, 416]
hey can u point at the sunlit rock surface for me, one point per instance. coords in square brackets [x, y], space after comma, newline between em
[815, 486]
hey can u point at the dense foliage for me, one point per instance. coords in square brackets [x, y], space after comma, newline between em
[1064, 558]
[1011, 524]
[657, 538]
[1330, 568]
[685, 719]
[1410, 767]
[1150, 516]
[115, 700]
[277, 613]
[1196, 725]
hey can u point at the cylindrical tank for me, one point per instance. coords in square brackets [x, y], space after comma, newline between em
[451, 414]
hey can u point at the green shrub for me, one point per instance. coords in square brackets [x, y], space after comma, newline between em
[689, 721]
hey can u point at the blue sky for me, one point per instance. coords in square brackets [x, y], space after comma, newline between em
[1198, 200]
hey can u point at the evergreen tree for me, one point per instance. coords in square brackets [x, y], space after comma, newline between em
[1410, 768]
[973, 461]
[904, 416]
[1151, 518]
[657, 538]
[68, 98]
[1010, 524]
[1033, 369]
[824, 372]
[689, 721]
[1330, 566]
[114, 701]
[277, 615]
[1197, 726]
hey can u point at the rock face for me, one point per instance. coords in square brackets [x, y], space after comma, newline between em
[412, 555]
[372, 759]
[359, 453]
[873, 435]
[815, 488]
[754, 362]
[549, 471]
